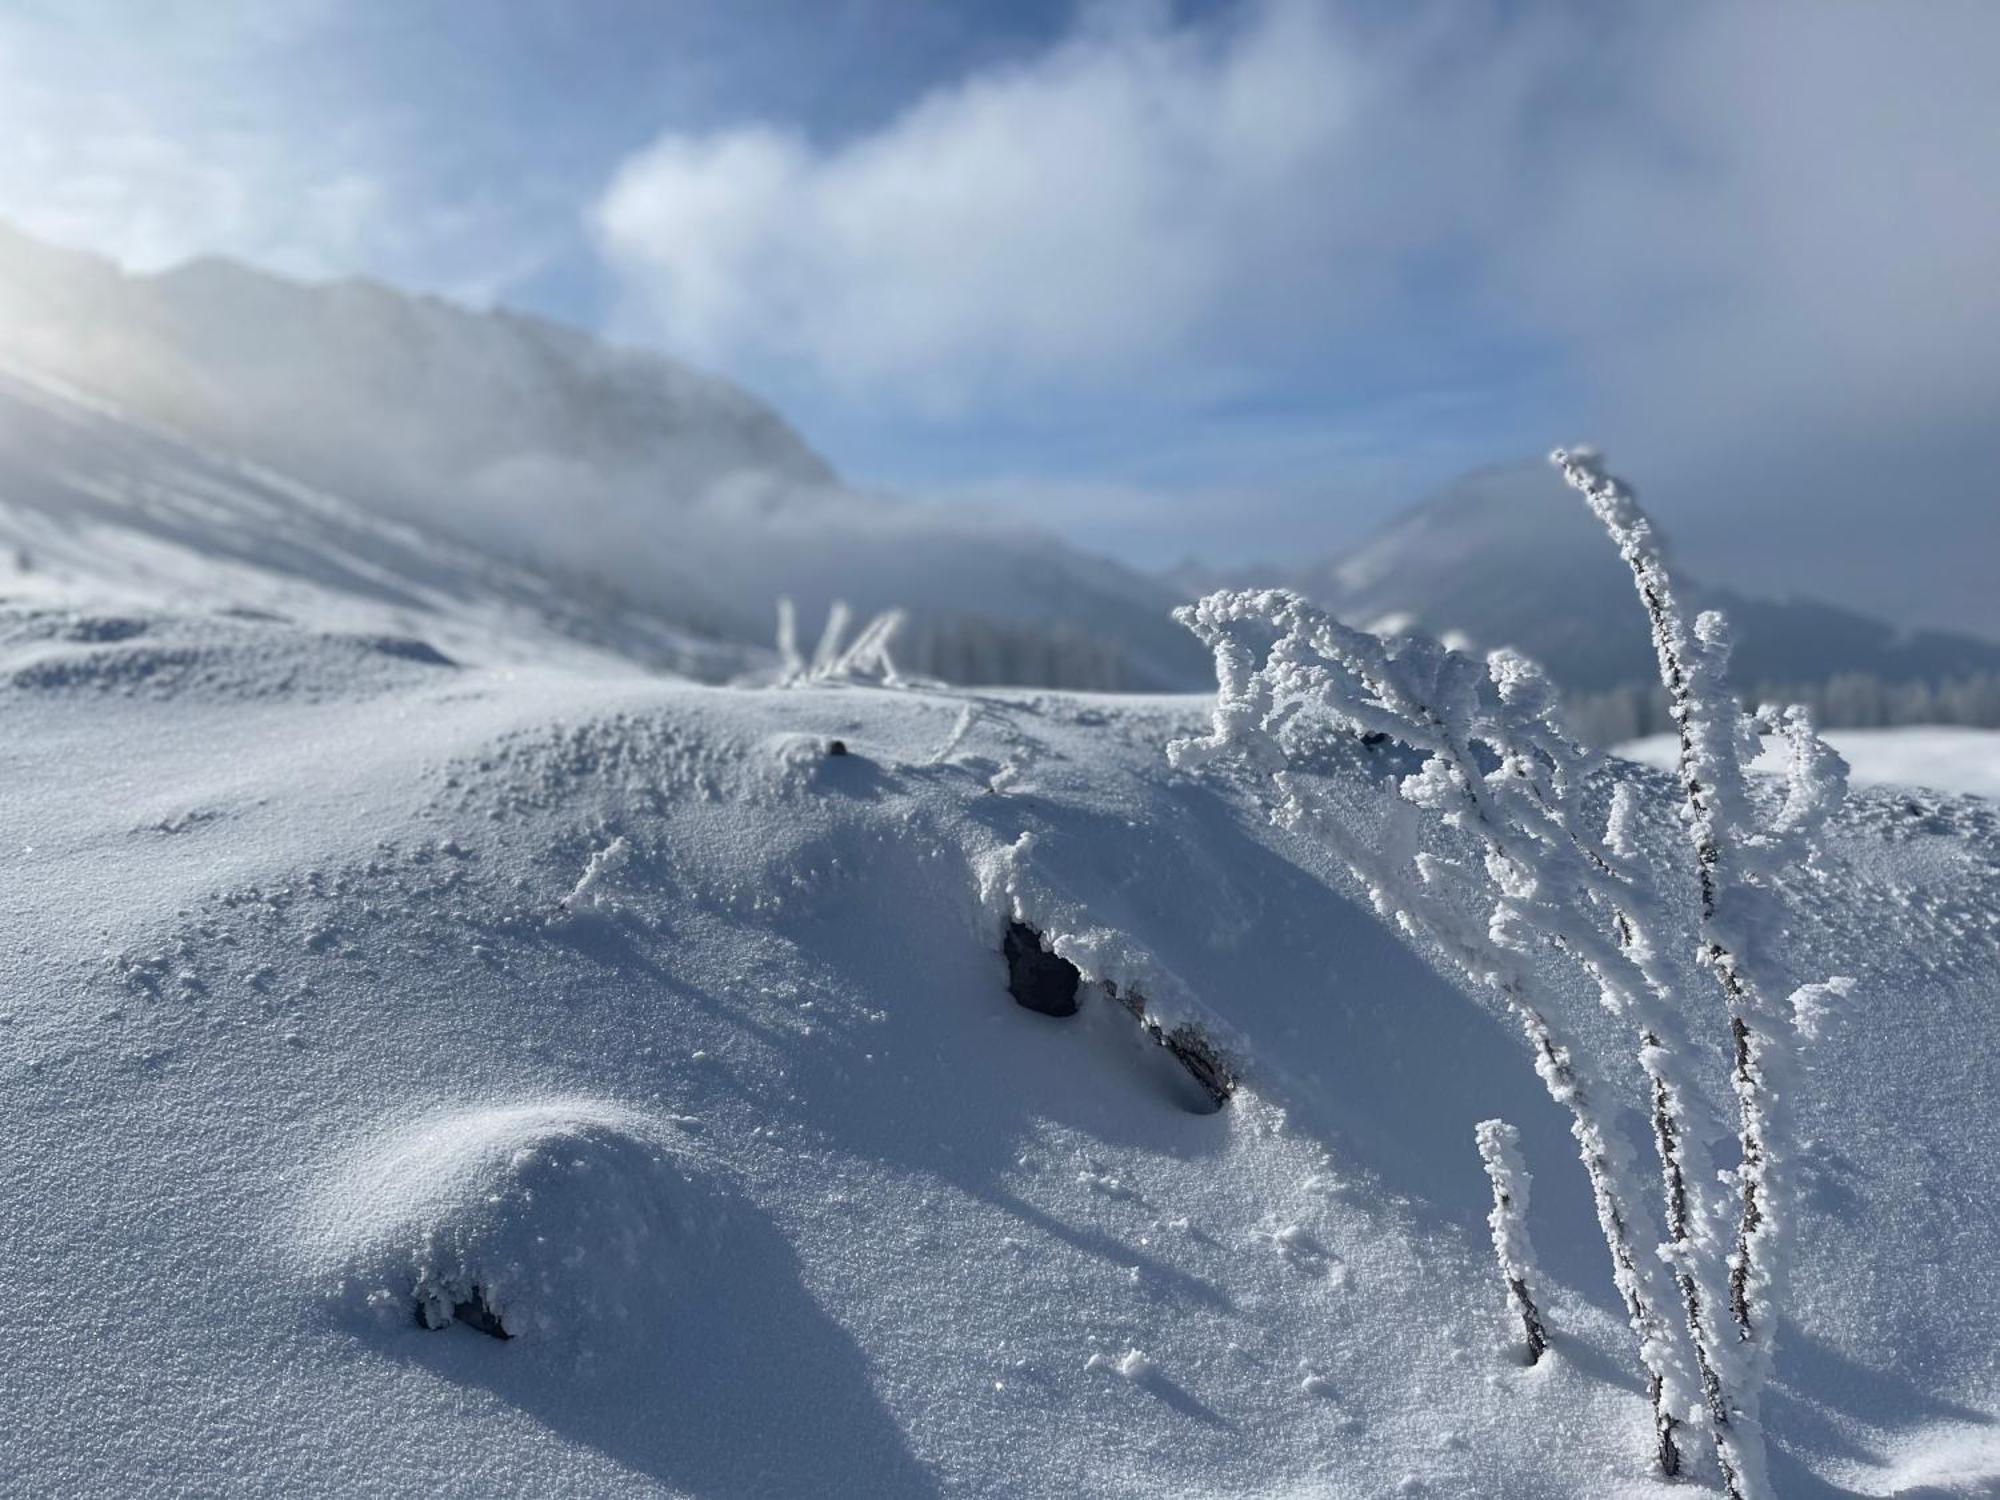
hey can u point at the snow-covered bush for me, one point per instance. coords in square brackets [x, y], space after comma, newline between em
[835, 659]
[1491, 853]
[1484, 856]
[1500, 1154]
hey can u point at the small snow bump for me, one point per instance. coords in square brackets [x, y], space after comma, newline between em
[1133, 1364]
[1104, 1184]
[562, 1218]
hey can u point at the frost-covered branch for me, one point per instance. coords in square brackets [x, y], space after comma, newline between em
[1500, 775]
[1497, 772]
[1739, 853]
[1596, 904]
[791, 665]
[1500, 1153]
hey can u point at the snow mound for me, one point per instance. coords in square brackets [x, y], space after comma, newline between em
[220, 657]
[689, 1045]
[569, 1220]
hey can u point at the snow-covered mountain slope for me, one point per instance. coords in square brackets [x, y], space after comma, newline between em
[1941, 757]
[682, 496]
[1505, 557]
[342, 980]
[91, 499]
[384, 395]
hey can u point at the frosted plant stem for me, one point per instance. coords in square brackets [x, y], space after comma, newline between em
[1667, 1107]
[1430, 700]
[1606, 1161]
[1694, 714]
[1513, 1250]
[1736, 852]
[1606, 1169]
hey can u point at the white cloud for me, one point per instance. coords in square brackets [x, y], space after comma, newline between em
[1771, 264]
[1147, 192]
[1085, 211]
[1750, 243]
[1812, 194]
[153, 135]
[104, 151]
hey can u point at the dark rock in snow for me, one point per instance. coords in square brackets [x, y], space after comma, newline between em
[472, 1311]
[408, 648]
[836, 747]
[1042, 981]
[1189, 1047]
[1192, 1051]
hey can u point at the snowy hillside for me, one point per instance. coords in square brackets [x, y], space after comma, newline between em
[350, 991]
[384, 395]
[615, 475]
[94, 502]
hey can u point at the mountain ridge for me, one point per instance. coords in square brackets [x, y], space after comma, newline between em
[547, 448]
[1505, 556]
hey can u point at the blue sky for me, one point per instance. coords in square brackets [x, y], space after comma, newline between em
[1232, 279]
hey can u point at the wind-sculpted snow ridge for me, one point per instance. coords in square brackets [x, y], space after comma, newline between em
[619, 1016]
[214, 658]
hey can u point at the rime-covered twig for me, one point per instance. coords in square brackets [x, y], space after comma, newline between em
[1500, 1154]
[1737, 855]
[867, 659]
[1596, 903]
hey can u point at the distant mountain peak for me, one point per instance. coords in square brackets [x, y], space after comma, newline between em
[1505, 556]
[399, 388]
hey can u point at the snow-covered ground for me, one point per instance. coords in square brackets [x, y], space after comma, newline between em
[1942, 757]
[343, 979]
